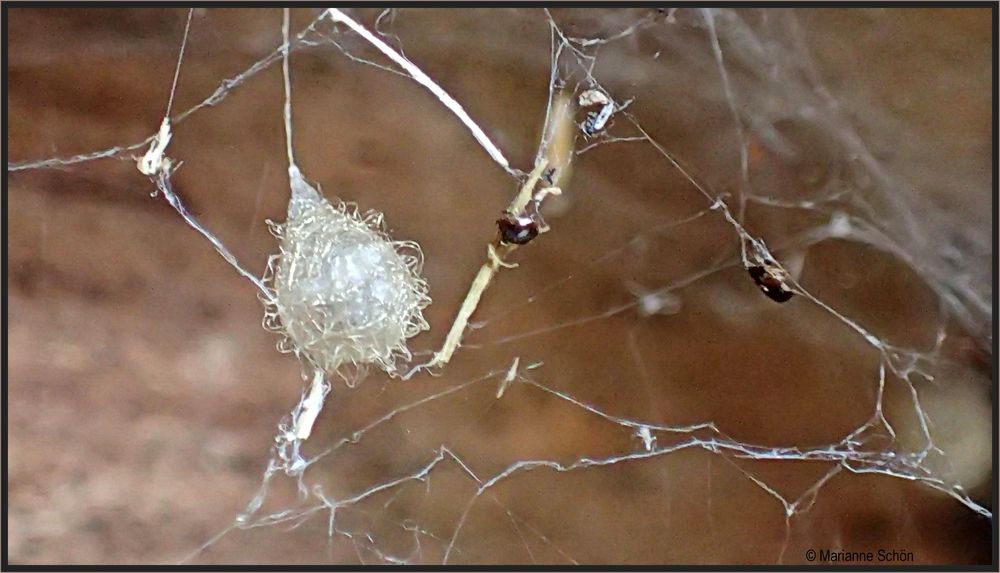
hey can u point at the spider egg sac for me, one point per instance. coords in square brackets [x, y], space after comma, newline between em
[345, 293]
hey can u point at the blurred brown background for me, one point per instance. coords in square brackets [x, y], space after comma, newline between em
[143, 394]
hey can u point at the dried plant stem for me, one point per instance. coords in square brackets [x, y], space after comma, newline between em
[494, 262]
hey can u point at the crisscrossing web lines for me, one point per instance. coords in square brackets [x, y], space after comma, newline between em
[738, 317]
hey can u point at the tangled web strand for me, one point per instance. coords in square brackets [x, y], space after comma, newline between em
[343, 294]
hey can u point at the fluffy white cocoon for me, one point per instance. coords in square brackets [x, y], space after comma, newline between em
[346, 294]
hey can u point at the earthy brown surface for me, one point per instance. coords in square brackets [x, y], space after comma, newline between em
[143, 394]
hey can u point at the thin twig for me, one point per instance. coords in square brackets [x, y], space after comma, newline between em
[423, 79]
[494, 262]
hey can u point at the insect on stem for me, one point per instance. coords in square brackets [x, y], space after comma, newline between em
[494, 262]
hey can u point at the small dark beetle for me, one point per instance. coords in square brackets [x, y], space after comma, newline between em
[517, 230]
[771, 281]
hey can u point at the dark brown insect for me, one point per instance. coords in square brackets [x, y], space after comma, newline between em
[772, 282]
[517, 229]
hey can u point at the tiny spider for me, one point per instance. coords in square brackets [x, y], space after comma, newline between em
[548, 176]
[517, 229]
[772, 281]
[596, 120]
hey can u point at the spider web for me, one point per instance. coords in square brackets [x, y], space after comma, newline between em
[627, 394]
